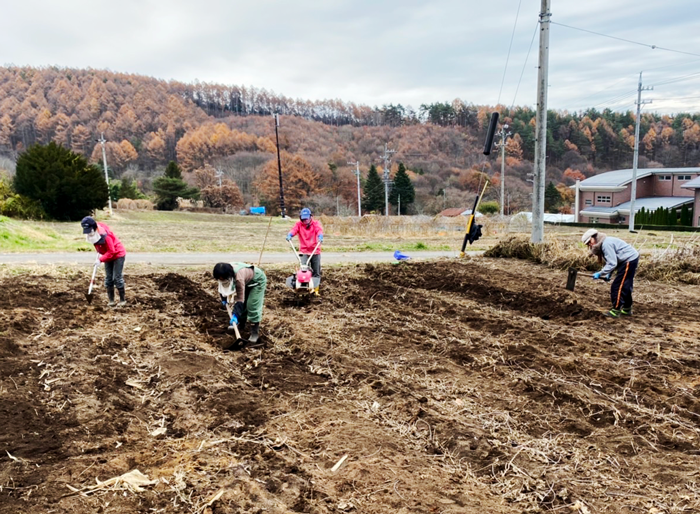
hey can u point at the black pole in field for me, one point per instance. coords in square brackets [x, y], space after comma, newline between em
[279, 166]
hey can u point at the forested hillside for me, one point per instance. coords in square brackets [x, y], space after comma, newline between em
[149, 122]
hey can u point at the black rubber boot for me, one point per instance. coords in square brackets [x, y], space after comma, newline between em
[122, 301]
[254, 334]
[110, 296]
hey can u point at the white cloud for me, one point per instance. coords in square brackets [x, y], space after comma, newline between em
[408, 52]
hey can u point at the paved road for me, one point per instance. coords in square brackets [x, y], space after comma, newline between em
[193, 259]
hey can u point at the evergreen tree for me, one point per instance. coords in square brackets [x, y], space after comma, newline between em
[170, 187]
[373, 195]
[552, 198]
[686, 216]
[128, 189]
[64, 183]
[402, 191]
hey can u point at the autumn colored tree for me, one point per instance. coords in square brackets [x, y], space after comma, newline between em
[373, 193]
[170, 187]
[299, 179]
[63, 182]
[80, 141]
[402, 192]
[227, 196]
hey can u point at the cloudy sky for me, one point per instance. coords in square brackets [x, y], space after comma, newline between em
[378, 52]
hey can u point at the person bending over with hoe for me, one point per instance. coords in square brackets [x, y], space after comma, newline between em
[242, 285]
[310, 234]
[619, 256]
[111, 252]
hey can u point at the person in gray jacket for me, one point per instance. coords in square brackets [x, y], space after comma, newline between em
[619, 256]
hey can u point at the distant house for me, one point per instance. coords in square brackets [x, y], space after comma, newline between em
[605, 198]
[694, 185]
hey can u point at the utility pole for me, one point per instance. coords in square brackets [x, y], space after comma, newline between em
[357, 174]
[387, 170]
[541, 128]
[504, 136]
[219, 174]
[640, 102]
[283, 213]
[398, 212]
[102, 141]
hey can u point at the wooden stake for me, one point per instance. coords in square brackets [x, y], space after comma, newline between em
[264, 241]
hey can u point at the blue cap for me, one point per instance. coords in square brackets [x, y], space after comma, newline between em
[88, 224]
[305, 214]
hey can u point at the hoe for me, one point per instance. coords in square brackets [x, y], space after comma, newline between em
[239, 343]
[571, 279]
[90, 295]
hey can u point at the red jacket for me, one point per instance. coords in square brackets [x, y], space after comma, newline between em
[110, 248]
[308, 237]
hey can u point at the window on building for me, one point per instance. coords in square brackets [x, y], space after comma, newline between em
[603, 198]
[589, 202]
[684, 177]
[664, 177]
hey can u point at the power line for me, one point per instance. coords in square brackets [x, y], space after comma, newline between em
[525, 64]
[509, 48]
[679, 79]
[653, 47]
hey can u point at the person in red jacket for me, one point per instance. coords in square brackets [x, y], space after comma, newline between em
[310, 234]
[111, 251]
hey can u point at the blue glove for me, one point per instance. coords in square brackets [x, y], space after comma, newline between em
[234, 320]
[320, 238]
[596, 275]
[224, 303]
[289, 236]
[607, 277]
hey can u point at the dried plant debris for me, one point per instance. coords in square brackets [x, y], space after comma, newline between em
[456, 386]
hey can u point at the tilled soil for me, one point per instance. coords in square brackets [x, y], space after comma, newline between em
[476, 386]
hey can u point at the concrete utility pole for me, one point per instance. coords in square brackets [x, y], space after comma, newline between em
[102, 141]
[640, 102]
[283, 212]
[504, 136]
[541, 128]
[387, 170]
[357, 174]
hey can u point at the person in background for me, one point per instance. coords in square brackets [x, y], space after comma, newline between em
[111, 252]
[619, 256]
[242, 285]
[310, 234]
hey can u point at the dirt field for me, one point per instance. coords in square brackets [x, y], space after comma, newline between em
[477, 386]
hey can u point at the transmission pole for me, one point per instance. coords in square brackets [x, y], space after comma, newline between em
[541, 128]
[504, 136]
[357, 174]
[387, 169]
[640, 102]
[283, 213]
[102, 141]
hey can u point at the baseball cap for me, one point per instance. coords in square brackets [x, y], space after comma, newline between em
[88, 224]
[305, 214]
[591, 232]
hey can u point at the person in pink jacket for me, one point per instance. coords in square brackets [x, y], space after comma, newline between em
[111, 252]
[310, 234]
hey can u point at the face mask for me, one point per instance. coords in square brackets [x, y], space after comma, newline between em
[226, 287]
[93, 237]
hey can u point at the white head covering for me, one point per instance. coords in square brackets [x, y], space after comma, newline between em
[93, 237]
[591, 232]
[227, 287]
